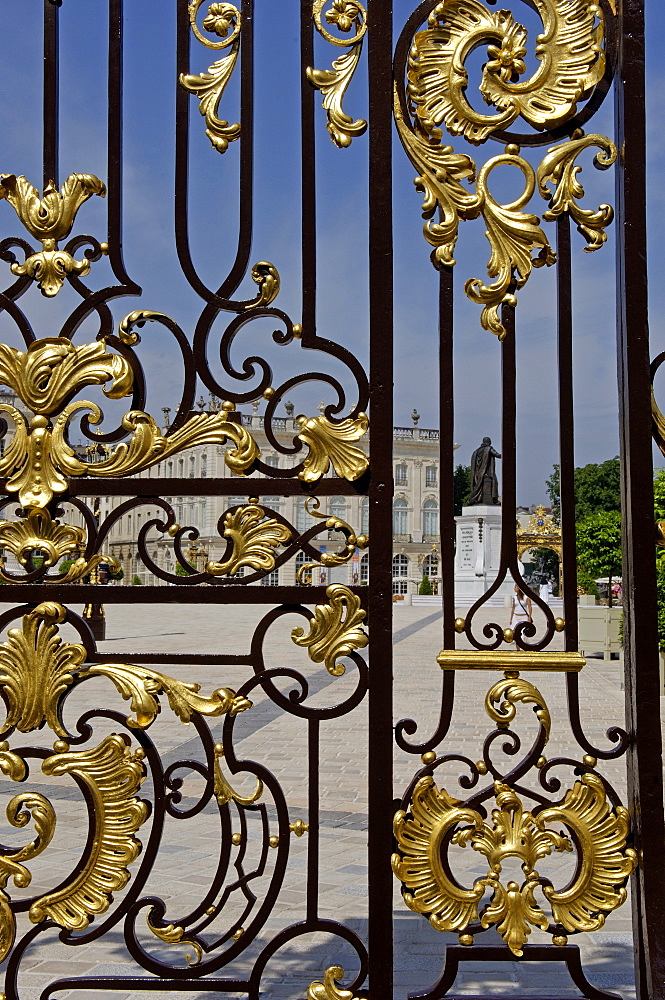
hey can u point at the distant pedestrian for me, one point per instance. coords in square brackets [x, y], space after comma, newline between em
[545, 591]
[550, 589]
[521, 608]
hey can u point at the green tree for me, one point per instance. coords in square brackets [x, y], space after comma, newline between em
[597, 487]
[599, 545]
[65, 564]
[425, 585]
[461, 487]
[136, 580]
[180, 570]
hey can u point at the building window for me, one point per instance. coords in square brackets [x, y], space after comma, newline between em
[399, 517]
[364, 568]
[400, 565]
[400, 475]
[272, 461]
[431, 566]
[301, 559]
[204, 466]
[271, 579]
[169, 469]
[181, 467]
[191, 466]
[301, 515]
[400, 587]
[337, 508]
[430, 518]
[364, 516]
[430, 475]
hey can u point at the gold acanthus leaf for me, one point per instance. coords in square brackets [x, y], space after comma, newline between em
[175, 934]
[333, 83]
[141, 685]
[329, 988]
[254, 538]
[224, 19]
[38, 533]
[559, 169]
[48, 220]
[22, 808]
[569, 51]
[513, 689]
[36, 668]
[112, 774]
[330, 442]
[335, 630]
[223, 790]
[600, 832]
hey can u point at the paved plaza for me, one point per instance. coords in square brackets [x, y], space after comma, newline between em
[280, 741]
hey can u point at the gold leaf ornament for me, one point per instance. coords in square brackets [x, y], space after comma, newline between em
[353, 542]
[560, 170]
[329, 989]
[224, 20]
[254, 538]
[48, 220]
[112, 774]
[331, 443]
[335, 630]
[515, 689]
[38, 532]
[569, 50]
[333, 83]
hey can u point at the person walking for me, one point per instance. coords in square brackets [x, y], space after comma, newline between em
[544, 590]
[521, 608]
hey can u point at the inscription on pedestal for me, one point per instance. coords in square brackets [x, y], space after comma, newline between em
[466, 548]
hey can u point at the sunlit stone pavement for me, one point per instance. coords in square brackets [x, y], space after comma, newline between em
[279, 741]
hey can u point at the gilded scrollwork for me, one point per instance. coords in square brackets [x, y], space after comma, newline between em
[435, 822]
[39, 533]
[571, 63]
[39, 458]
[50, 219]
[329, 989]
[331, 443]
[335, 630]
[347, 16]
[253, 538]
[112, 774]
[559, 169]
[353, 541]
[223, 20]
[501, 697]
[223, 790]
[175, 934]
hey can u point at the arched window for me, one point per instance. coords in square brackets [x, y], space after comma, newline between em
[181, 467]
[364, 568]
[431, 566]
[430, 519]
[364, 516]
[192, 462]
[169, 469]
[301, 515]
[400, 574]
[204, 466]
[301, 559]
[399, 516]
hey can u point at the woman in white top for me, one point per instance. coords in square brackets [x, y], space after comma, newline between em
[521, 608]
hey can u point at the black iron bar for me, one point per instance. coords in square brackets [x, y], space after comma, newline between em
[51, 93]
[313, 758]
[447, 454]
[380, 794]
[645, 765]
[568, 576]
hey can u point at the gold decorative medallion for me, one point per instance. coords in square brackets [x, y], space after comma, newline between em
[435, 821]
[253, 537]
[347, 16]
[224, 20]
[330, 443]
[335, 630]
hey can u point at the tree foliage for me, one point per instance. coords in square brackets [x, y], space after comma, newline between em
[425, 585]
[599, 544]
[597, 488]
[461, 487]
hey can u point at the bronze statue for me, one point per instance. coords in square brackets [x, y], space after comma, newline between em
[484, 485]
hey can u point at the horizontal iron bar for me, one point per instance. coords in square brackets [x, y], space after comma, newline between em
[497, 659]
[76, 593]
[210, 487]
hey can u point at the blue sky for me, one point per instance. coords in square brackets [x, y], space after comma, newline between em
[342, 211]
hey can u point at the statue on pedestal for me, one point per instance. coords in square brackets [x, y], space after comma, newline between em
[484, 484]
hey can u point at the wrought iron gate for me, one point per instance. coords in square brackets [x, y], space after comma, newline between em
[67, 505]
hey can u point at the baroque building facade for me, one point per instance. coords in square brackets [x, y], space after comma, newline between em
[415, 512]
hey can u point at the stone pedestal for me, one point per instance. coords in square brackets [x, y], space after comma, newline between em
[478, 555]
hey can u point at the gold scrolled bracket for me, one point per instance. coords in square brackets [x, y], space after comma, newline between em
[347, 16]
[353, 542]
[569, 50]
[559, 169]
[140, 686]
[515, 689]
[223, 790]
[224, 20]
[254, 538]
[335, 630]
[266, 276]
[330, 443]
[329, 989]
[509, 660]
[112, 774]
[174, 934]
[48, 220]
[437, 822]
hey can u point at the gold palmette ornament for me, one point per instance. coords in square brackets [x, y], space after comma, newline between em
[48, 220]
[571, 64]
[331, 444]
[223, 20]
[348, 16]
[253, 537]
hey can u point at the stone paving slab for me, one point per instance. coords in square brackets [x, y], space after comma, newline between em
[280, 740]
